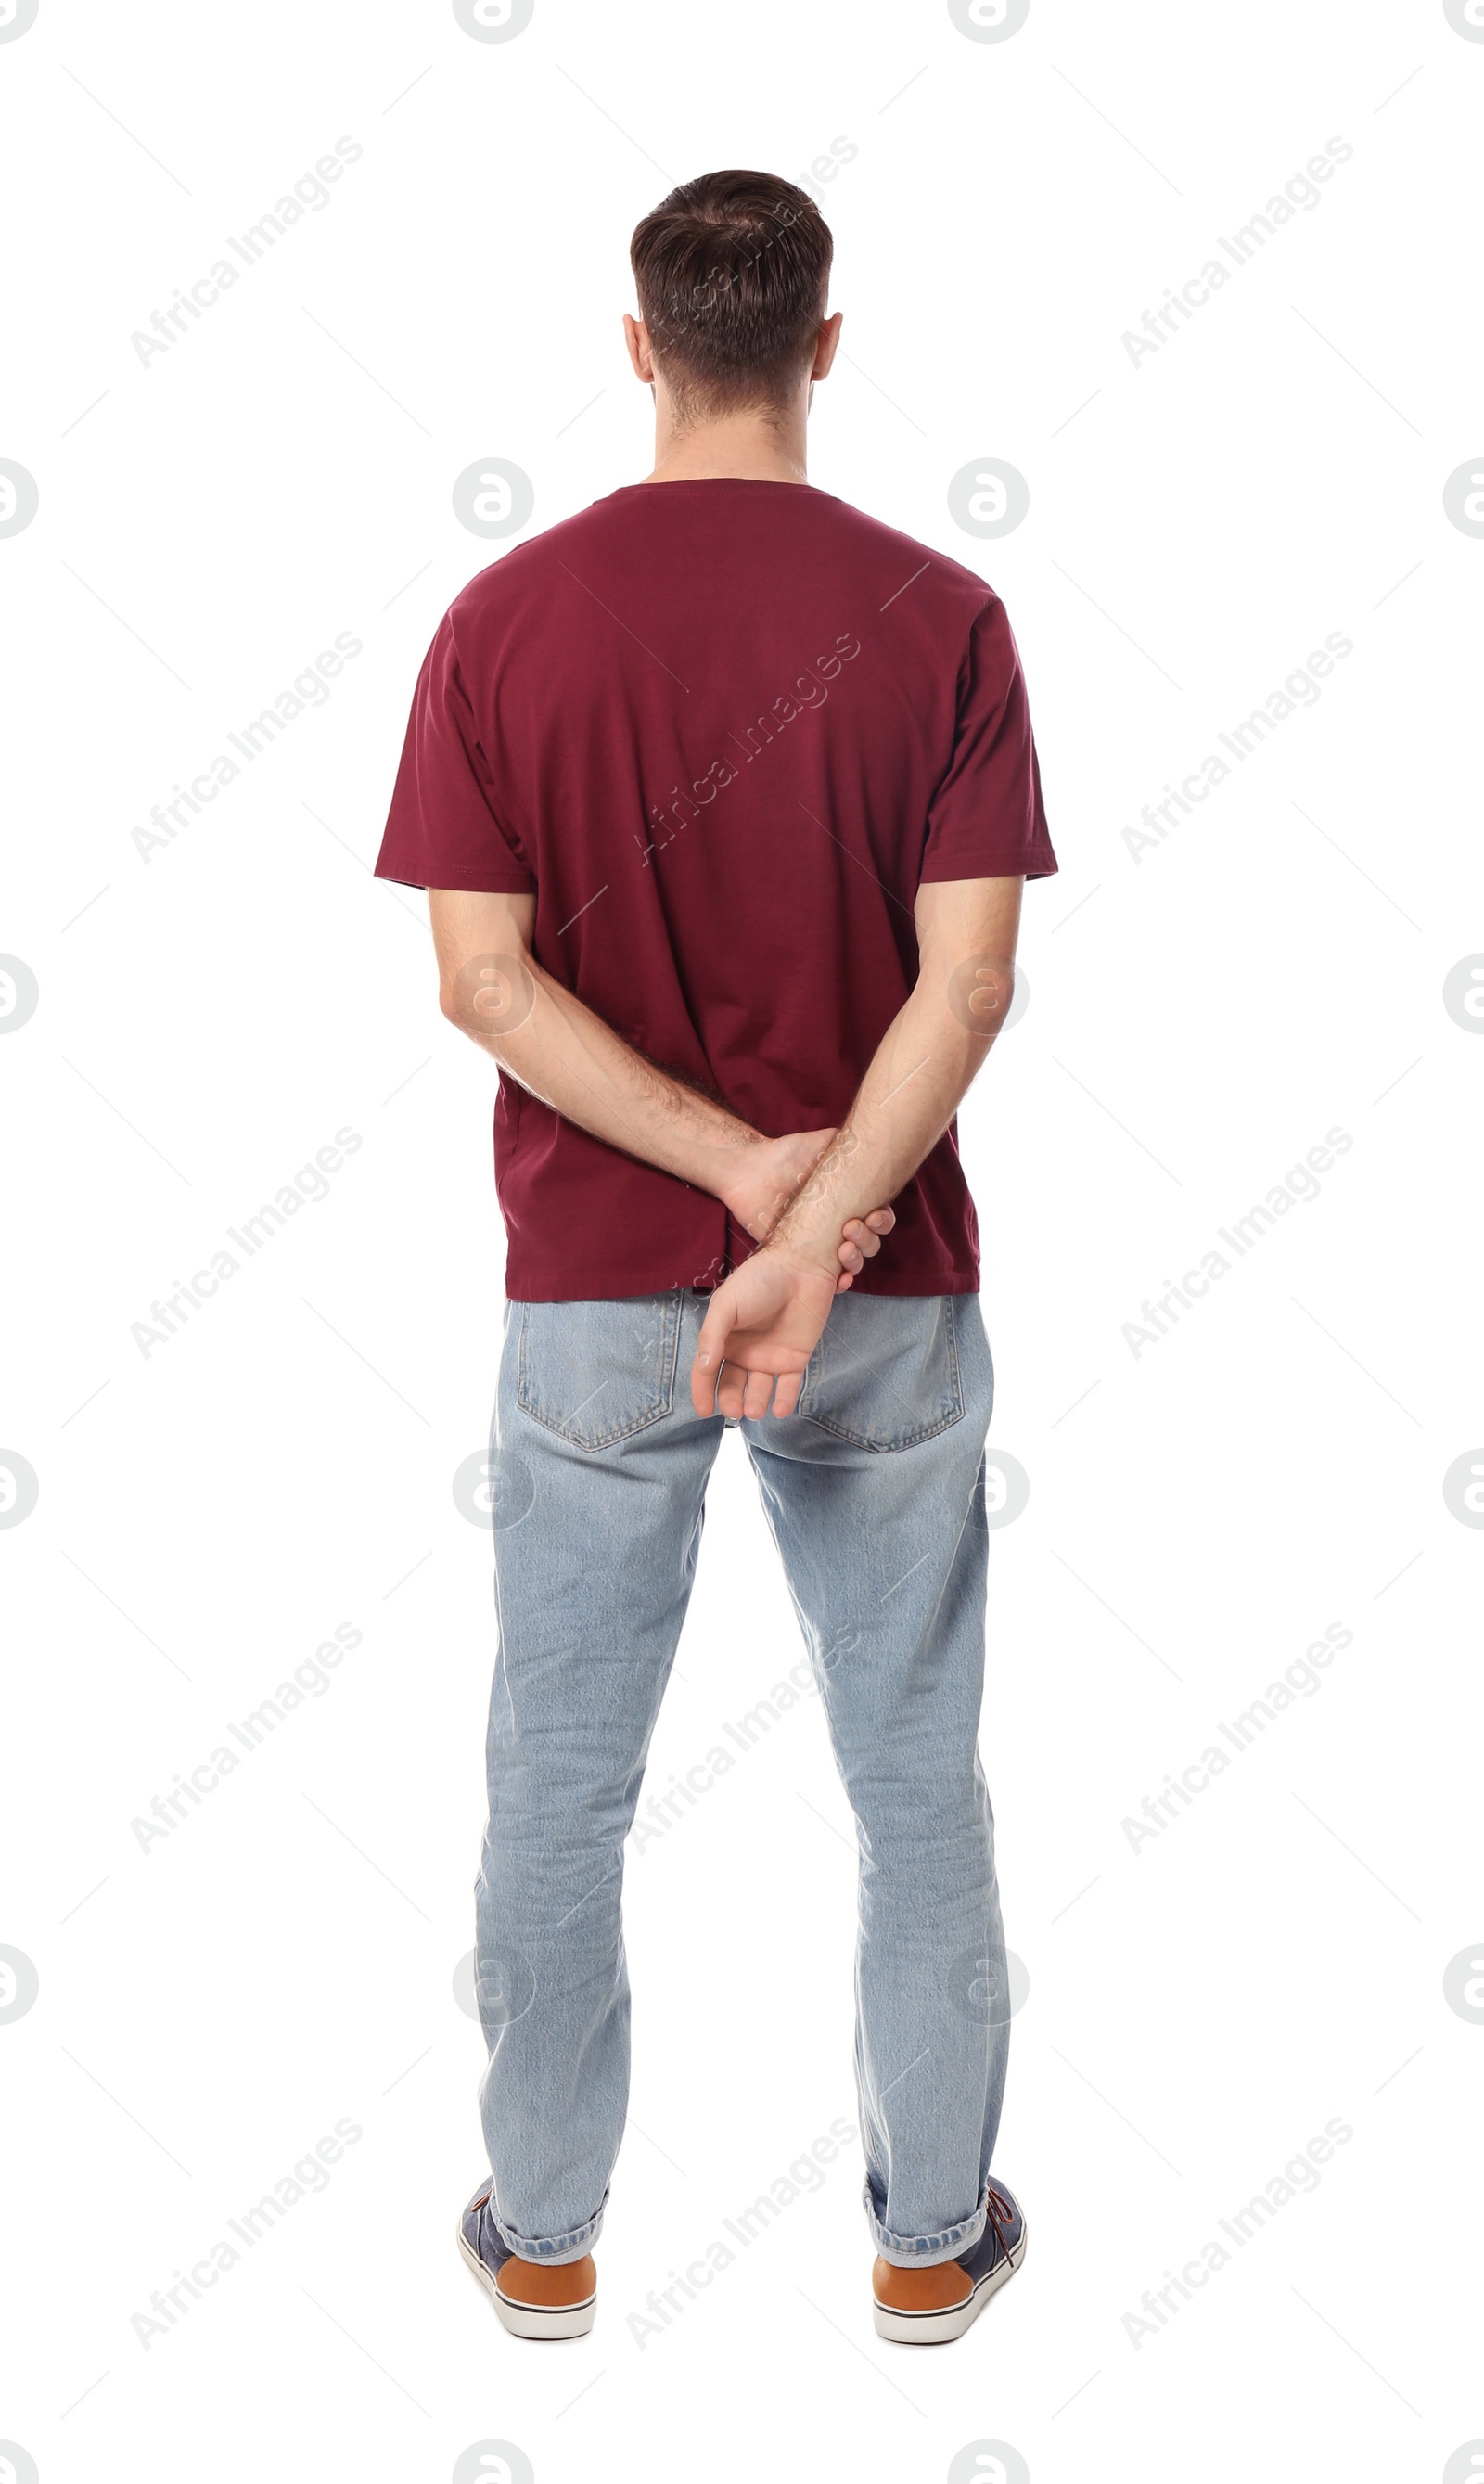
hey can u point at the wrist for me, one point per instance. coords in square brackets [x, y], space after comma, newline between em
[809, 1228]
[730, 1171]
[810, 1254]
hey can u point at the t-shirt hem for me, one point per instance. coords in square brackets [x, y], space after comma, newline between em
[953, 867]
[578, 1291]
[481, 881]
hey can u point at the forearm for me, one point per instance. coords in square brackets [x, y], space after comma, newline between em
[561, 1051]
[909, 1096]
[558, 1050]
[923, 1067]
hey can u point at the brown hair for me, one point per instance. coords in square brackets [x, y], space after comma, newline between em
[733, 274]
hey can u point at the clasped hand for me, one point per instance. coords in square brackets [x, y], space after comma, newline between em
[764, 1323]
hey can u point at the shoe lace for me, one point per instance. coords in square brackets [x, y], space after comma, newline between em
[1000, 2209]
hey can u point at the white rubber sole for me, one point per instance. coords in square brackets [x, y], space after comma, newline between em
[939, 2328]
[530, 2319]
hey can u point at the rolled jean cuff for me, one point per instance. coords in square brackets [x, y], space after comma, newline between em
[557, 2248]
[925, 2251]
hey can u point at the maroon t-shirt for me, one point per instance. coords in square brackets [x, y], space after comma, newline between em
[722, 730]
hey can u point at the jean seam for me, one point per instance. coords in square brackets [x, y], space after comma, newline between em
[573, 2245]
[917, 2247]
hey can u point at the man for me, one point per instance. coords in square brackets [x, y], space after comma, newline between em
[724, 795]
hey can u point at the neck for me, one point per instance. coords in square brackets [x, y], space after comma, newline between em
[753, 447]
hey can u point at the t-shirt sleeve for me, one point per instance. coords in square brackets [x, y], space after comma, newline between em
[987, 819]
[443, 829]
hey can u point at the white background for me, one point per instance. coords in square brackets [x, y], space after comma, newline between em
[1198, 1020]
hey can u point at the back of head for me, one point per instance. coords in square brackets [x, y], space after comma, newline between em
[732, 278]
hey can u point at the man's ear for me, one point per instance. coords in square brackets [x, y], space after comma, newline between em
[636, 339]
[828, 341]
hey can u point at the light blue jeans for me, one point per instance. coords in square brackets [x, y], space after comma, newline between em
[874, 1491]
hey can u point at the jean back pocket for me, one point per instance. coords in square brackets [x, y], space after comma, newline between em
[596, 1373]
[885, 1374]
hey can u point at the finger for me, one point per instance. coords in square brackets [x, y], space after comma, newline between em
[755, 1396]
[843, 1285]
[729, 1394]
[881, 1219]
[861, 1240]
[710, 1351]
[790, 1384]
